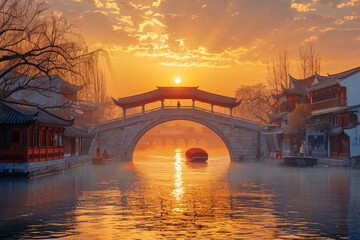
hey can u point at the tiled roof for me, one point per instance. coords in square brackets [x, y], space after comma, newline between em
[76, 133]
[298, 86]
[332, 79]
[277, 115]
[17, 113]
[278, 96]
[345, 74]
[176, 93]
[39, 82]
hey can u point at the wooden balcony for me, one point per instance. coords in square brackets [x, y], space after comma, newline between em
[330, 103]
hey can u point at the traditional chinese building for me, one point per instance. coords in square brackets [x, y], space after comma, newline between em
[30, 134]
[285, 102]
[76, 141]
[335, 104]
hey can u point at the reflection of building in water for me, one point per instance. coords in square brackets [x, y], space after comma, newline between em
[354, 205]
[32, 205]
[311, 201]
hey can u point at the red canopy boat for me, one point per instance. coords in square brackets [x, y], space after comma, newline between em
[196, 155]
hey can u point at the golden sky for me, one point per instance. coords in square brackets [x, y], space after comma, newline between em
[215, 44]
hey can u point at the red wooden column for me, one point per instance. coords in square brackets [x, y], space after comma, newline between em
[26, 150]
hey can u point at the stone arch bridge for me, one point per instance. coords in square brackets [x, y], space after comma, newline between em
[242, 137]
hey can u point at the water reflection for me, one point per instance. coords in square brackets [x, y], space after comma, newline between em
[160, 195]
[178, 184]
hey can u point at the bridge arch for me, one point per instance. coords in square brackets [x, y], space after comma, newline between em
[151, 125]
[241, 136]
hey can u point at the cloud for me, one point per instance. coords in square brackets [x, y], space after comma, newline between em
[303, 7]
[214, 33]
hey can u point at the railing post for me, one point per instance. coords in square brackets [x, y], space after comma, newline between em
[193, 105]
[124, 115]
[142, 111]
[231, 117]
[212, 111]
[162, 105]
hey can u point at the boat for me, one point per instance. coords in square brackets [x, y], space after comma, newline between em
[101, 161]
[196, 155]
[300, 161]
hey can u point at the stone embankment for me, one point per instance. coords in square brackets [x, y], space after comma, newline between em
[43, 168]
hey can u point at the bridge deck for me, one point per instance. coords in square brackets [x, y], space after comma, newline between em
[183, 111]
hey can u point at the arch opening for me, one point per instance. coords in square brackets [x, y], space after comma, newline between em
[167, 135]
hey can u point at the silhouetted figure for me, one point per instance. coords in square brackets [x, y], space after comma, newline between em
[105, 154]
[98, 153]
[310, 149]
[302, 150]
[178, 104]
[295, 149]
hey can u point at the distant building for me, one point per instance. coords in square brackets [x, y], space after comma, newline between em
[76, 141]
[57, 96]
[45, 91]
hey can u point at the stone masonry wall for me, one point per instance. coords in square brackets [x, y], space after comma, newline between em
[242, 144]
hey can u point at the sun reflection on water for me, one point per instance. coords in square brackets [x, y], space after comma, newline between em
[178, 183]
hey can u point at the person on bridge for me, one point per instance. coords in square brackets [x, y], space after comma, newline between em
[178, 104]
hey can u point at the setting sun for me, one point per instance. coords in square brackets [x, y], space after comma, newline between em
[177, 80]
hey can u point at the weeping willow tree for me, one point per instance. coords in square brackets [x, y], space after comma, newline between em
[97, 75]
[37, 48]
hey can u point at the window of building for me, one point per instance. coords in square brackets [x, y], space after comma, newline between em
[55, 140]
[31, 139]
[7, 137]
[15, 136]
[24, 140]
[343, 120]
[2, 137]
[51, 138]
[36, 138]
[60, 141]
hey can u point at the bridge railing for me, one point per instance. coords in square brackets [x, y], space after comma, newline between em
[147, 112]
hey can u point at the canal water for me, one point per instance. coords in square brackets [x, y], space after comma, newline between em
[160, 196]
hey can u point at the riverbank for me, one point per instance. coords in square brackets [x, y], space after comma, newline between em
[331, 162]
[35, 169]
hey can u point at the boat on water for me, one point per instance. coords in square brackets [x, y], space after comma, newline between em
[101, 161]
[196, 155]
[300, 161]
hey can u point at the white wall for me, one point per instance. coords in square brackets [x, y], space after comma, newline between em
[354, 135]
[352, 85]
